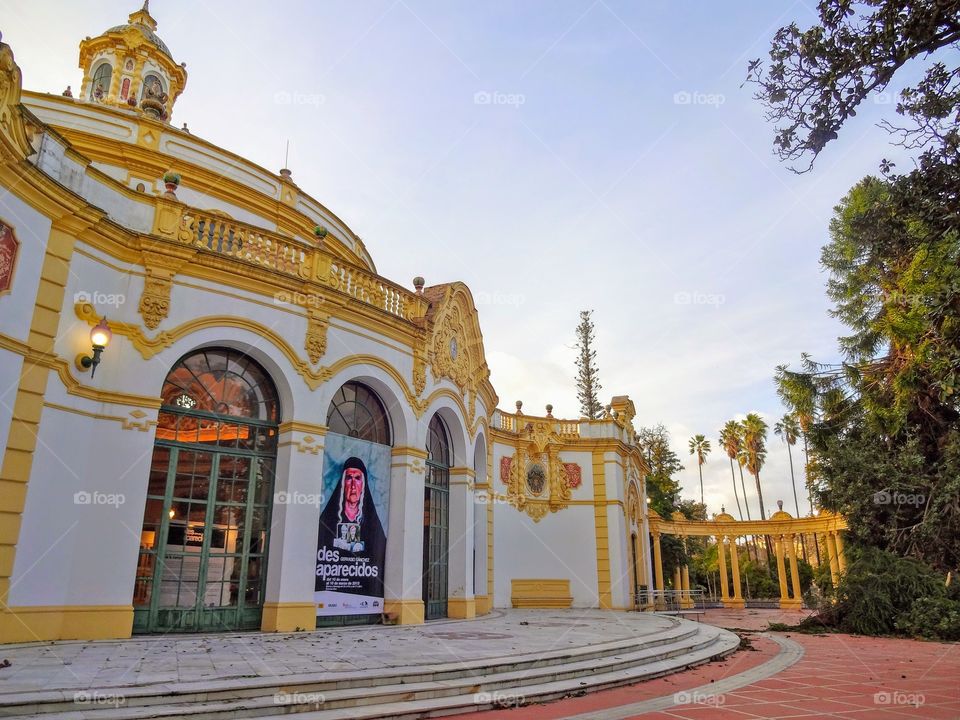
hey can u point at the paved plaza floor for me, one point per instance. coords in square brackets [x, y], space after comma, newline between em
[832, 676]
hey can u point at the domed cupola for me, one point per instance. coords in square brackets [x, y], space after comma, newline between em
[129, 66]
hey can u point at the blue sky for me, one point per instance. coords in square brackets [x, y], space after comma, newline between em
[555, 156]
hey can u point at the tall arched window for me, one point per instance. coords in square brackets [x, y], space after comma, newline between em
[436, 519]
[356, 411]
[100, 85]
[206, 524]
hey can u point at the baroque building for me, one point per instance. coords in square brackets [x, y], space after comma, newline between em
[217, 415]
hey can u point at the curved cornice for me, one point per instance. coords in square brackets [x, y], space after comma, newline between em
[140, 159]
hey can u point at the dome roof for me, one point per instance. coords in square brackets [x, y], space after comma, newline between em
[149, 34]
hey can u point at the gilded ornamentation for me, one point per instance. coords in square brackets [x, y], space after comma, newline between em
[633, 504]
[536, 479]
[155, 300]
[419, 364]
[456, 348]
[316, 341]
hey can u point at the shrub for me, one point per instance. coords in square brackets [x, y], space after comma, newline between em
[932, 617]
[877, 588]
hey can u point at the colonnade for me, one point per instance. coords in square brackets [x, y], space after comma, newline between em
[781, 528]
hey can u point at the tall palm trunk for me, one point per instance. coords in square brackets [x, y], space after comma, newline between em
[735, 494]
[743, 485]
[793, 481]
[700, 468]
[746, 504]
[806, 478]
[763, 513]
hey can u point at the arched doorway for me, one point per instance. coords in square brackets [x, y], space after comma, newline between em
[436, 520]
[206, 524]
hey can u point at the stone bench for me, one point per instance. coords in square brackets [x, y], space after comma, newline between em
[540, 593]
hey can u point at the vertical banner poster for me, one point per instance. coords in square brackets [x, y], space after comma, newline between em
[352, 542]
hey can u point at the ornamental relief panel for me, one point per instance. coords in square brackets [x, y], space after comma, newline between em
[537, 481]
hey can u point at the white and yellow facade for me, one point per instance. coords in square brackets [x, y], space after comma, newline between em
[234, 256]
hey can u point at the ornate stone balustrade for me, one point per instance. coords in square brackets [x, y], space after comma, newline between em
[514, 423]
[224, 237]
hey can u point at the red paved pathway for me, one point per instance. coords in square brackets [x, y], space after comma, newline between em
[839, 676]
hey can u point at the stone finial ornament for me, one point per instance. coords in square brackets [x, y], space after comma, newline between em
[418, 283]
[519, 406]
[549, 410]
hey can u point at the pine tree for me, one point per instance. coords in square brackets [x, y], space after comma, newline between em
[588, 383]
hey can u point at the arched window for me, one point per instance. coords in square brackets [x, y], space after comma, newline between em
[100, 86]
[438, 443]
[206, 523]
[224, 382]
[436, 519]
[356, 411]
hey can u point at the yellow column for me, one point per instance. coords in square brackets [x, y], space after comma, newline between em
[841, 560]
[658, 570]
[737, 599]
[677, 585]
[832, 556]
[685, 585]
[722, 561]
[781, 572]
[797, 600]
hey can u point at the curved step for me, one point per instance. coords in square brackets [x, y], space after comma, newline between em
[47, 702]
[453, 689]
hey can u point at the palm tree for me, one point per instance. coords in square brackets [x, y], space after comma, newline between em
[700, 447]
[755, 450]
[730, 442]
[789, 429]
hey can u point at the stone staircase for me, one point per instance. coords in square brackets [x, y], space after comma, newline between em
[416, 691]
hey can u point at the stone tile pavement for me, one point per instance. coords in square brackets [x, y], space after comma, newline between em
[838, 676]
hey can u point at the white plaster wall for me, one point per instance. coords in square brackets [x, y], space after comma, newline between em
[197, 199]
[178, 146]
[561, 545]
[80, 115]
[10, 366]
[33, 231]
[81, 525]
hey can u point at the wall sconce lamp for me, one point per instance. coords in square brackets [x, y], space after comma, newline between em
[100, 337]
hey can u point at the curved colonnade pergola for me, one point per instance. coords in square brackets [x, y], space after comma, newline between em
[783, 530]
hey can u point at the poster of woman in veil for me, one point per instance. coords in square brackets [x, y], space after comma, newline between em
[352, 538]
